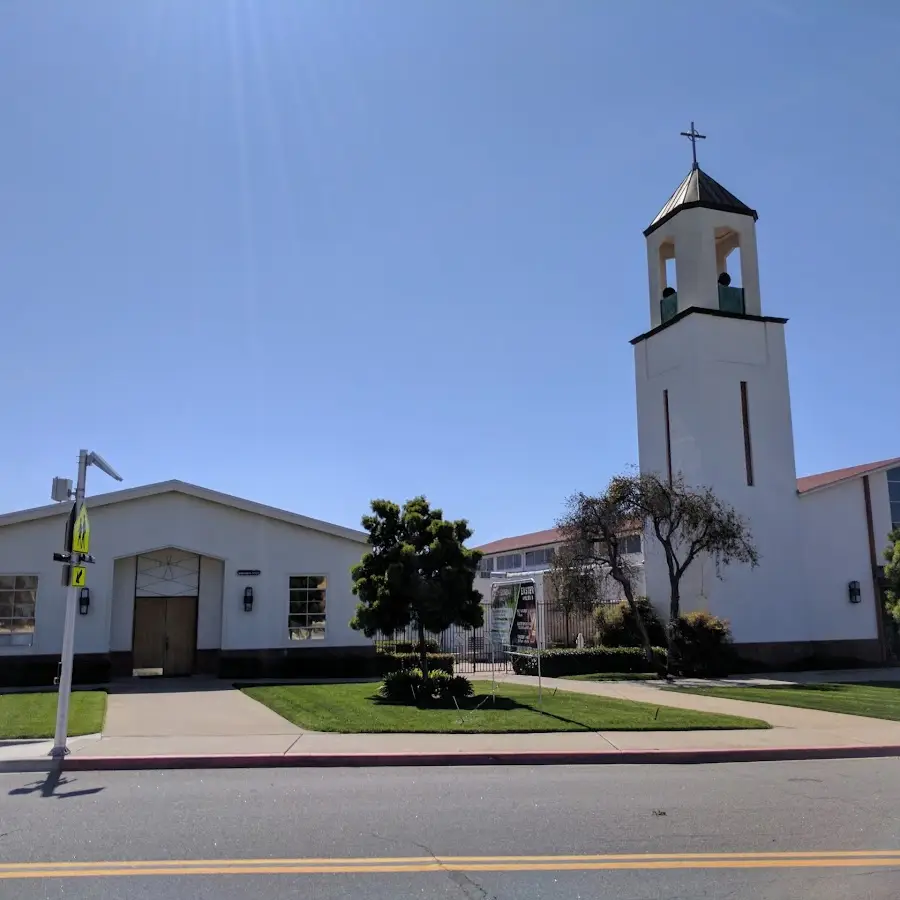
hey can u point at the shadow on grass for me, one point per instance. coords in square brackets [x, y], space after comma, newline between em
[480, 701]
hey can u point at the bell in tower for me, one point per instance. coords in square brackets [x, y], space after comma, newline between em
[688, 248]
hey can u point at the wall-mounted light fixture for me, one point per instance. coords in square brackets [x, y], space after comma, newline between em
[854, 591]
[84, 601]
[248, 599]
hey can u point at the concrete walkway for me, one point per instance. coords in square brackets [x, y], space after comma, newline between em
[195, 716]
[209, 719]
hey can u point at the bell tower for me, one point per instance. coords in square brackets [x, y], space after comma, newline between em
[713, 400]
[689, 244]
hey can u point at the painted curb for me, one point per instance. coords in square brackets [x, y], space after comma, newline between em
[464, 758]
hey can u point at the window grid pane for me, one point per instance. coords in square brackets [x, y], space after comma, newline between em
[306, 607]
[17, 604]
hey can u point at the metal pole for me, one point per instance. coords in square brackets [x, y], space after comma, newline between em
[68, 646]
[539, 610]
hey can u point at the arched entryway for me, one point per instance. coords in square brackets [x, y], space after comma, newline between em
[166, 592]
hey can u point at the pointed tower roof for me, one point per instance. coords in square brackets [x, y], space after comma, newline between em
[699, 190]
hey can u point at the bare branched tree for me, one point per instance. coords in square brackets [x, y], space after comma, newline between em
[576, 587]
[688, 522]
[594, 530]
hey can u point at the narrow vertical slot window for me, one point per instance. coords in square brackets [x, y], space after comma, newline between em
[748, 447]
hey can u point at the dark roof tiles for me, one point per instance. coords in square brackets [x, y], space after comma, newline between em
[699, 190]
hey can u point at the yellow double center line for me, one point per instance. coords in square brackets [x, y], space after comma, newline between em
[414, 864]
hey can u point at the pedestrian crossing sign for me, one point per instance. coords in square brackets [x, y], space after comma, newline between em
[81, 533]
[79, 576]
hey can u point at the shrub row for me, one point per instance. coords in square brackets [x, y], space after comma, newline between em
[587, 661]
[399, 662]
[408, 646]
[410, 686]
[702, 645]
[617, 625]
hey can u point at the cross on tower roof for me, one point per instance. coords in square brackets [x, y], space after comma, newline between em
[693, 136]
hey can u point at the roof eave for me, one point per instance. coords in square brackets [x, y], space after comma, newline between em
[190, 490]
[699, 204]
[846, 478]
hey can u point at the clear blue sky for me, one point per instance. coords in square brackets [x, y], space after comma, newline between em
[311, 253]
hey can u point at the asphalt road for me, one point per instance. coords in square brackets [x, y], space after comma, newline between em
[640, 832]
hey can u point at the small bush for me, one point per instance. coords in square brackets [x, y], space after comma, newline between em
[702, 645]
[393, 662]
[401, 685]
[588, 661]
[409, 686]
[408, 646]
[617, 626]
[454, 687]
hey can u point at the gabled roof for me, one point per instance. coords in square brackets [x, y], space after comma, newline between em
[191, 490]
[826, 479]
[699, 190]
[523, 541]
[527, 541]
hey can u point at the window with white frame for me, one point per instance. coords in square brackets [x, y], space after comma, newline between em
[18, 594]
[630, 543]
[510, 561]
[306, 614]
[542, 557]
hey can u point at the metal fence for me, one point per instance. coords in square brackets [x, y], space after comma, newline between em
[473, 650]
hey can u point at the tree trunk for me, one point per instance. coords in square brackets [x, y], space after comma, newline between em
[423, 651]
[674, 613]
[642, 628]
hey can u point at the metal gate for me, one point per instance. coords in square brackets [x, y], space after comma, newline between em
[471, 647]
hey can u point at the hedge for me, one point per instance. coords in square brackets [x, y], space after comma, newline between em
[587, 661]
[617, 626]
[396, 662]
[407, 646]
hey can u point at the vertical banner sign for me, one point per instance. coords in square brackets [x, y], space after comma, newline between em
[504, 597]
[513, 614]
[524, 633]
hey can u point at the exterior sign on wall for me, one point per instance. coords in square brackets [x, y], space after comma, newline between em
[514, 614]
[242, 573]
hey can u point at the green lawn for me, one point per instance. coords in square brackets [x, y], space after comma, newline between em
[355, 708]
[33, 715]
[881, 700]
[614, 676]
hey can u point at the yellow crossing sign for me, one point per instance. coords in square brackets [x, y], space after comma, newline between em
[81, 533]
[78, 576]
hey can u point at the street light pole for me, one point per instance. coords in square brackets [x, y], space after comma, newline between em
[85, 459]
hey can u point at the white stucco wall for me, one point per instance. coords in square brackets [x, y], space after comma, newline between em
[835, 552]
[231, 538]
[122, 611]
[701, 361]
[209, 603]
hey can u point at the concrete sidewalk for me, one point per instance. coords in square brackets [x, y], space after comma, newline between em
[214, 725]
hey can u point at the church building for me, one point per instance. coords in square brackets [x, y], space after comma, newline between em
[713, 404]
[186, 581]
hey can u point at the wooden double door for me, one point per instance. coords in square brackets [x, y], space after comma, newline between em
[165, 634]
